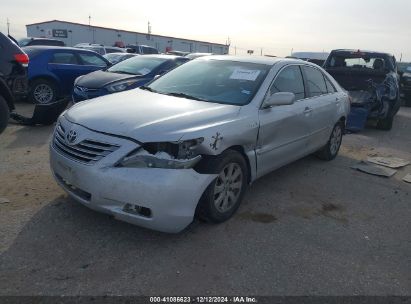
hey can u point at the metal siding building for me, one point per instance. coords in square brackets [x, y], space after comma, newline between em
[73, 33]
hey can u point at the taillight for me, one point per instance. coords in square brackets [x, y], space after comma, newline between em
[22, 58]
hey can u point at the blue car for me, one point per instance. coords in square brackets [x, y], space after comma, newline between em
[52, 70]
[125, 75]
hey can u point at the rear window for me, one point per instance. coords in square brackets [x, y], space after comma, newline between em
[358, 60]
[32, 52]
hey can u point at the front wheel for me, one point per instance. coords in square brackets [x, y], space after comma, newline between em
[223, 196]
[330, 150]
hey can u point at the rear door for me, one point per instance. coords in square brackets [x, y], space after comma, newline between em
[323, 103]
[284, 130]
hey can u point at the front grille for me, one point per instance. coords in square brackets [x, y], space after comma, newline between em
[87, 151]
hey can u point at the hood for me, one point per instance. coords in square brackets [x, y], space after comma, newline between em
[99, 79]
[150, 117]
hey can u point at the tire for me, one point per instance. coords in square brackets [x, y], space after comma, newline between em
[42, 91]
[385, 124]
[407, 99]
[330, 150]
[221, 199]
[4, 114]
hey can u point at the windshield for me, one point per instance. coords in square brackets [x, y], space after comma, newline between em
[141, 65]
[226, 82]
[24, 42]
[114, 58]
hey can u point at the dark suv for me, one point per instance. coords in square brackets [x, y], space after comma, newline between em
[372, 81]
[13, 77]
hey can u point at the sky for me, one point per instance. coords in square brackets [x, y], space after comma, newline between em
[269, 27]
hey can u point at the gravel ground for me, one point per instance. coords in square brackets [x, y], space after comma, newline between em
[310, 228]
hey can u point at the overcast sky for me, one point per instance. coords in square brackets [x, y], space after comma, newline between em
[277, 26]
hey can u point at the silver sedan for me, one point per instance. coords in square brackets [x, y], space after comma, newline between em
[190, 142]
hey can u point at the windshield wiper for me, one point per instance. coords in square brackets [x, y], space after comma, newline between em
[183, 95]
[123, 72]
[148, 89]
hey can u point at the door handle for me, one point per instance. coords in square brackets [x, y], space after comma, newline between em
[307, 110]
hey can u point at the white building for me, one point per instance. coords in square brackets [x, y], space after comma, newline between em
[73, 33]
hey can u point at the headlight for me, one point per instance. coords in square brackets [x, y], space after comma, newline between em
[181, 155]
[77, 79]
[120, 86]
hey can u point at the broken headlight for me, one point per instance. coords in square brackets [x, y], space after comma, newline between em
[179, 155]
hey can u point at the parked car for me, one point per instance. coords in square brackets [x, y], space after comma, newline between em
[141, 49]
[405, 84]
[40, 41]
[13, 77]
[192, 56]
[99, 48]
[372, 81]
[126, 75]
[52, 70]
[315, 57]
[118, 57]
[192, 140]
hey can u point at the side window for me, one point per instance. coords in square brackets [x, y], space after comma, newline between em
[330, 86]
[64, 58]
[289, 80]
[91, 59]
[315, 81]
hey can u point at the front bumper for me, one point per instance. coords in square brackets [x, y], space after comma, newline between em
[170, 195]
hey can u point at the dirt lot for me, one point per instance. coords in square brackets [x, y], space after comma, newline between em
[312, 227]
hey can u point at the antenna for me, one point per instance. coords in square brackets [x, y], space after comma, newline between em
[8, 27]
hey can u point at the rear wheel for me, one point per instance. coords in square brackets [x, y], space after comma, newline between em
[42, 91]
[223, 196]
[330, 150]
[4, 114]
[385, 124]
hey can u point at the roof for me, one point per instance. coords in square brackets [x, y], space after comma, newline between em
[250, 59]
[361, 51]
[120, 30]
[55, 48]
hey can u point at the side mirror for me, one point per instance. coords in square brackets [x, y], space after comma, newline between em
[279, 99]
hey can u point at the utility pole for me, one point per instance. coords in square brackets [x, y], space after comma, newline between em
[235, 50]
[261, 53]
[8, 27]
[89, 20]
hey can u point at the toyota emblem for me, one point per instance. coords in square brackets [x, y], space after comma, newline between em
[71, 137]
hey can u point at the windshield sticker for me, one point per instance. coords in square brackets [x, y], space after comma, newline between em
[144, 71]
[242, 74]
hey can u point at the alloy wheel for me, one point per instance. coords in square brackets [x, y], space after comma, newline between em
[228, 187]
[335, 140]
[43, 93]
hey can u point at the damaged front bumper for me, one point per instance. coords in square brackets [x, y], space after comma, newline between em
[158, 199]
